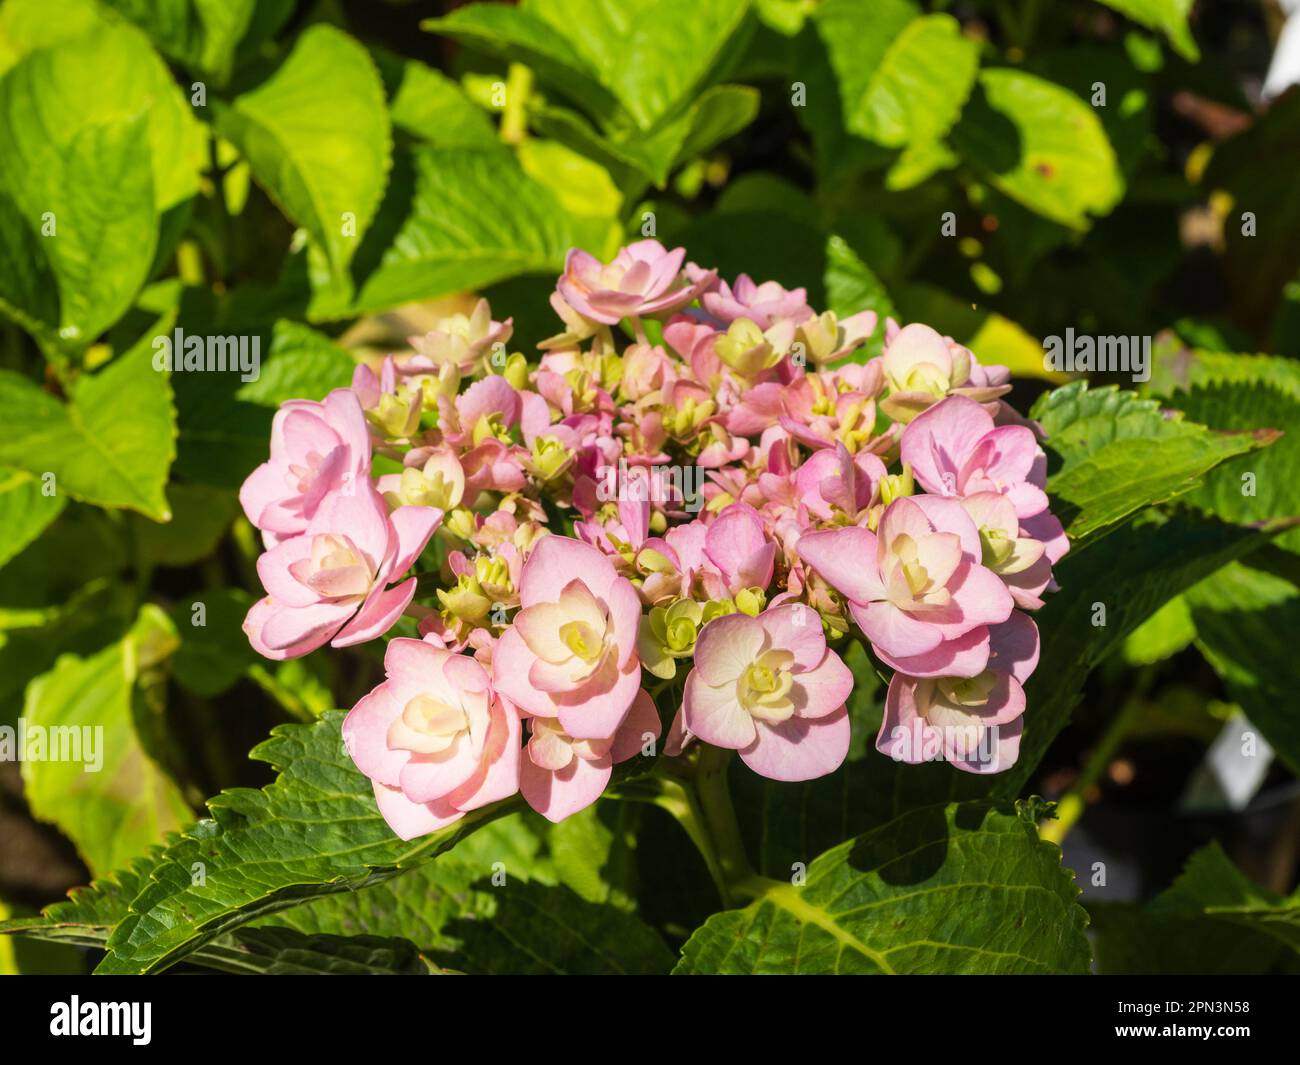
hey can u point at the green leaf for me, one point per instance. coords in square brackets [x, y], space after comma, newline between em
[111, 445]
[87, 916]
[1167, 16]
[1164, 633]
[454, 219]
[284, 952]
[1261, 485]
[903, 79]
[652, 55]
[460, 918]
[317, 137]
[1121, 453]
[1245, 621]
[25, 511]
[314, 831]
[964, 888]
[204, 35]
[428, 105]
[1041, 145]
[520, 35]
[1211, 886]
[1133, 572]
[1175, 368]
[851, 286]
[301, 364]
[95, 144]
[1211, 920]
[107, 75]
[113, 801]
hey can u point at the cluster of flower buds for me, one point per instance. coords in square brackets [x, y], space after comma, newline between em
[678, 516]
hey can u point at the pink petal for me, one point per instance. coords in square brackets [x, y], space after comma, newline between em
[1013, 646]
[279, 582]
[365, 736]
[296, 631]
[727, 646]
[595, 710]
[411, 819]
[799, 749]
[554, 562]
[558, 795]
[964, 656]
[824, 689]
[938, 442]
[714, 715]
[846, 560]
[798, 629]
[377, 615]
[894, 633]
[640, 726]
[414, 526]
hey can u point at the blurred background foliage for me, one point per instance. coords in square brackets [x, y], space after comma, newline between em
[330, 177]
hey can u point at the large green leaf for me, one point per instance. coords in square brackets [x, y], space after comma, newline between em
[111, 444]
[117, 803]
[453, 219]
[963, 888]
[1041, 145]
[25, 510]
[1121, 453]
[902, 78]
[317, 136]
[95, 143]
[453, 912]
[1167, 16]
[107, 73]
[314, 831]
[498, 903]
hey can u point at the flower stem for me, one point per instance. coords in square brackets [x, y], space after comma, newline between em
[719, 817]
[514, 122]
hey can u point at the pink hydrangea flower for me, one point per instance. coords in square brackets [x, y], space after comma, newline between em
[331, 584]
[570, 652]
[434, 738]
[975, 723]
[643, 279]
[458, 340]
[915, 588]
[921, 367]
[770, 688]
[560, 775]
[316, 449]
[955, 450]
[761, 304]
